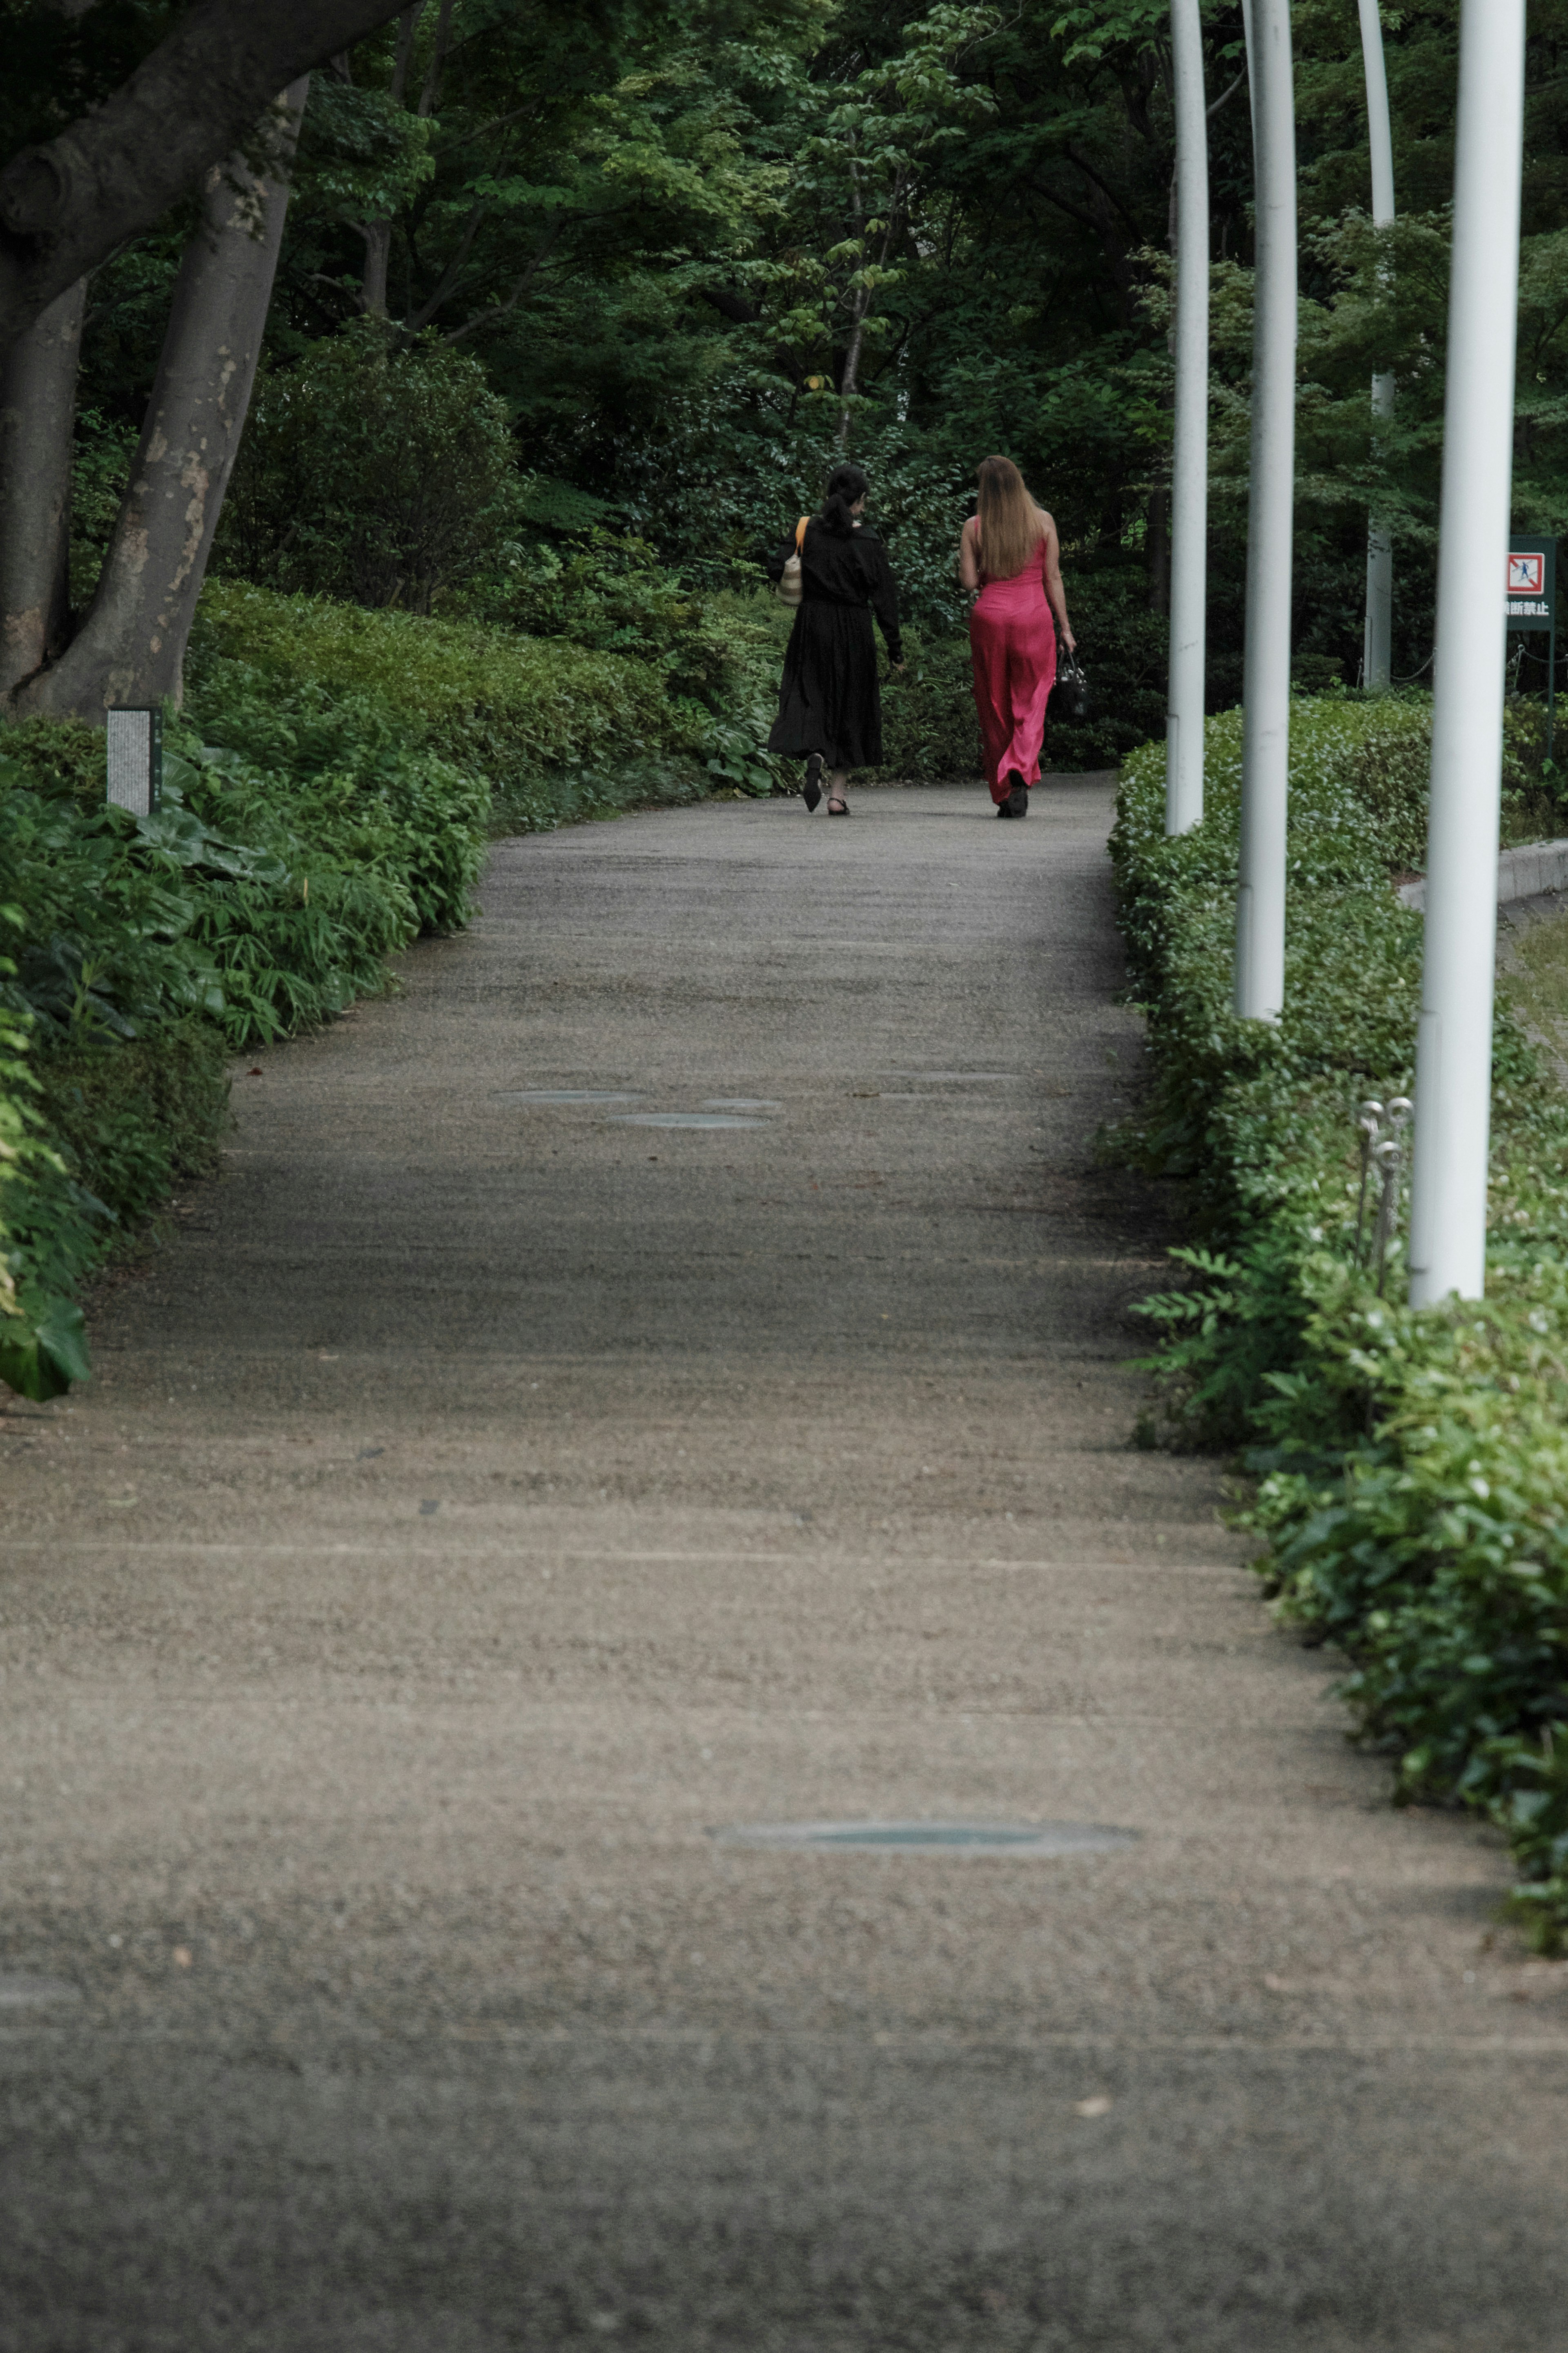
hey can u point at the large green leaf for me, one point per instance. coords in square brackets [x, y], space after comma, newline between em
[40, 1358]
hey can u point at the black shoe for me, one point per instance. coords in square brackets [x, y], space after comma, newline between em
[811, 791]
[1018, 798]
[1002, 809]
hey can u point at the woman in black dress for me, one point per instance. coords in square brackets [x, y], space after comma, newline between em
[830, 711]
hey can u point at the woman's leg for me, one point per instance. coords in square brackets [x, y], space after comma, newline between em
[1031, 674]
[837, 779]
[988, 653]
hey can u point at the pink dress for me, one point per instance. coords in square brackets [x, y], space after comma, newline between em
[1013, 643]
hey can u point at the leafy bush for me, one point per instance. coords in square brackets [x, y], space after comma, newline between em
[1124, 649]
[41, 1350]
[560, 731]
[930, 731]
[372, 473]
[1413, 1469]
[303, 840]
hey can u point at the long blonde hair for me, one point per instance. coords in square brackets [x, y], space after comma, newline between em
[1010, 527]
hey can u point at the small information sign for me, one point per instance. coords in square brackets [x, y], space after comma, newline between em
[1532, 584]
[1532, 603]
[135, 746]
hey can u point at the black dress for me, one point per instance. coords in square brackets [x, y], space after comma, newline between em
[829, 702]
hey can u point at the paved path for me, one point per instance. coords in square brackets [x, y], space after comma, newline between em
[484, 1501]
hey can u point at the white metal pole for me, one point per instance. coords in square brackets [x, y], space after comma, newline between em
[1190, 460]
[1266, 684]
[1378, 652]
[1454, 1045]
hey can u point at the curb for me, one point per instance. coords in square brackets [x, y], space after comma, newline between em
[1534, 868]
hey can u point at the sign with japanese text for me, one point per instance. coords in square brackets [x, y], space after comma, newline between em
[1532, 584]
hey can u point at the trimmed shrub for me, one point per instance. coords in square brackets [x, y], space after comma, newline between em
[1413, 1464]
[557, 730]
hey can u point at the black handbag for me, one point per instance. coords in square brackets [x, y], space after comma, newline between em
[1069, 696]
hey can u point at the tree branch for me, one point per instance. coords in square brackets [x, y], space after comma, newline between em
[407, 26]
[198, 96]
[500, 309]
[419, 319]
[1082, 164]
[431, 88]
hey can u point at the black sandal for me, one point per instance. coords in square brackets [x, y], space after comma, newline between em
[811, 791]
[837, 805]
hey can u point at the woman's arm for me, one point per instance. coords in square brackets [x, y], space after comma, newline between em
[968, 563]
[1056, 594]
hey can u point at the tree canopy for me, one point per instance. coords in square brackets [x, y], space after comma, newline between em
[695, 247]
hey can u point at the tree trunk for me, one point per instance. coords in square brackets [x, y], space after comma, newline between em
[850, 380]
[130, 647]
[377, 235]
[66, 207]
[37, 409]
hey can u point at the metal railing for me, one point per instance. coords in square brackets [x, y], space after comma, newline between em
[1383, 1128]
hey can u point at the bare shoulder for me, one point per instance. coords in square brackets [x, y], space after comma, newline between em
[1048, 522]
[970, 529]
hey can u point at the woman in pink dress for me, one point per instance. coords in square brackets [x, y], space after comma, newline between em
[1010, 555]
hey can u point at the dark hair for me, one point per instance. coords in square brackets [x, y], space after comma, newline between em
[845, 485]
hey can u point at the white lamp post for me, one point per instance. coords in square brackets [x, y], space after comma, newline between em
[1454, 1046]
[1190, 465]
[1378, 649]
[1266, 688]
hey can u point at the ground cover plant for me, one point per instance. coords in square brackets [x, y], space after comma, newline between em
[1412, 1466]
[303, 840]
[658, 706]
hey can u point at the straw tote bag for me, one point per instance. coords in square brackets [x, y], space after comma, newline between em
[792, 587]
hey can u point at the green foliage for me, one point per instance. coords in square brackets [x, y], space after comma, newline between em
[23, 1157]
[506, 706]
[559, 730]
[929, 732]
[328, 792]
[1413, 1464]
[99, 472]
[686, 248]
[303, 838]
[372, 473]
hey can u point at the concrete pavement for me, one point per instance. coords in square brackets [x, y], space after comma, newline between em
[486, 1499]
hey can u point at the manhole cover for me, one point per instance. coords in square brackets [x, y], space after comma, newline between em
[1025, 1839]
[565, 1095]
[21, 1993]
[683, 1119]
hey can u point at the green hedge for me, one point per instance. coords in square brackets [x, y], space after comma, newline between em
[1413, 1466]
[559, 731]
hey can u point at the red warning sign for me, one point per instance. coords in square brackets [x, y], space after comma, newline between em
[1526, 575]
